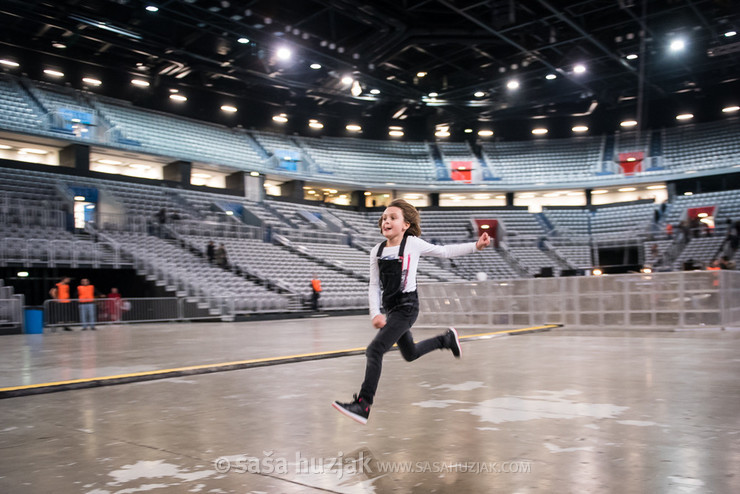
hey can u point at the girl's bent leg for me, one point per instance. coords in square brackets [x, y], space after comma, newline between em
[397, 324]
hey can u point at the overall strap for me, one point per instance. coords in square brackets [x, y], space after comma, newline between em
[400, 248]
[380, 250]
[403, 245]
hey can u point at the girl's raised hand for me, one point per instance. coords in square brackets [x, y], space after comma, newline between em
[483, 242]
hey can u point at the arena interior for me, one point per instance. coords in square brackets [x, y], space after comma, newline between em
[201, 162]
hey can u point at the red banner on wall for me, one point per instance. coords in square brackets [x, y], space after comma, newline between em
[631, 162]
[461, 171]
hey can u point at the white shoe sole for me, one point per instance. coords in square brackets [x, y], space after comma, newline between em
[349, 414]
[457, 342]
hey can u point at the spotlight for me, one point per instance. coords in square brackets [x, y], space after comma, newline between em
[315, 66]
[479, 94]
[512, 84]
[597, 272]
[677, 45]
[550, 77]
[283, 53]
[579, 69]
[347, 80]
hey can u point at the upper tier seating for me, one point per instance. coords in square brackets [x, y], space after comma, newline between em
[180, 138]
[544, 161]
[363, 160]
[702, 147]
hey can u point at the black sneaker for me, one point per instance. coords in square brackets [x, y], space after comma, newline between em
[453, 342]
[357, 410]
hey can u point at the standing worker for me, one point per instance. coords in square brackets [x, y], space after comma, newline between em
[316, 286]
[60, 293]
[86, 296]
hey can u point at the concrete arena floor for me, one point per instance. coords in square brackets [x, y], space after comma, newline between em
[561, 411]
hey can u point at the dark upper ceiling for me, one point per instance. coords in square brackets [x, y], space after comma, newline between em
[464, 46]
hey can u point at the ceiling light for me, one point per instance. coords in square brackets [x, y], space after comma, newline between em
[421, 74]
[550, 77]
[9, 63]
[626, 189]
[58, 45]
[628, 123]
[315, 66]
[539, 131]
[677, 45]
[485, 133]
[280, 118]
[468, 131]
[356, 89]
[631, 56]
[254, 174]
[375, 91]
[178, 97]
[512, 84]
[684, 116]
[579, 128]
[139, 166]
[243, 41]
[91, 81]
[479, 94]
[315, 124]
[655, 187]
[228, 108]
[140, 83]
[599, 191]
[109, 162]
[5, 146]
[33, 151]
[730, 34]
[152, 8]
[283, 53]
[202, 175]
[730, 109]
[53, 73]
[347, 80]
[442, 133]
[688, 193]
[395, 133]
[579, 69]
[527, 195]
[79, 198]
[353, 127]
[433, 95]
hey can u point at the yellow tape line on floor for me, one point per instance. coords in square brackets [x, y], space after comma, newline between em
[193, 369]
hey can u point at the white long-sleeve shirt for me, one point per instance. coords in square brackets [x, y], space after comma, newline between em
[415, 248]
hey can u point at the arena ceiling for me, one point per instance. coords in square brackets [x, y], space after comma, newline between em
[463, 46]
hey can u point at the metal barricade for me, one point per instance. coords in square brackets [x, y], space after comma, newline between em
[58, 313]
[11, 312]
[658, 300]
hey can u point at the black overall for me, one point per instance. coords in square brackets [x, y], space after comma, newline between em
[401, 312]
